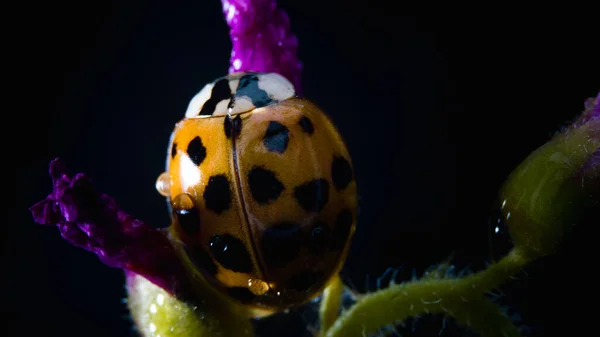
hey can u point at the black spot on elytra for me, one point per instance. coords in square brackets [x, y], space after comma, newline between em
[189, 220]
[201, 259]
[341, 172]
[217, 195]
[240, 293]
[276, 137]
[341, 231]
[186, 214]
[264, 185]
[307, 125]
[231, 253]
[232, 127]
[313, 195]
[196, 151]
[173, 150]
[219, 92]
[305, 280]
[248, 86]
[281, 243]
[319, 238]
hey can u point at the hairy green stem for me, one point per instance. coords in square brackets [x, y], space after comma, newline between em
[486, 318]
[461, 298]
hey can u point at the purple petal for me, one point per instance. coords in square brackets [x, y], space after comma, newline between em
[261, 38]
[94, 222]
[591, 168]
[591, 111]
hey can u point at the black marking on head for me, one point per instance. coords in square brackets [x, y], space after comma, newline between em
[231, 253]
[217, 194]
[196, 151]
[173, 150]
[233, 127]
[276, 138]
[219, 92]
[313, 195]
[281, 243]
[341, 231]
[241, 294]
[307, 125]
[319, 238]
[341, 172]
[186, 214]
[248, 86]
[201, 259]
[305, 280]
[264, 185]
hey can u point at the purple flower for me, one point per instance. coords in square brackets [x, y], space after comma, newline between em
[94, 222]
[261, 38]
[591, 111]
[590, 115]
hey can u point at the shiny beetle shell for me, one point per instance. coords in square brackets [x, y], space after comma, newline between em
[262, 191]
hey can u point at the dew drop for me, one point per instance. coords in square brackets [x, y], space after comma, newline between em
[163, 185]
[258, 287]
[160, 299]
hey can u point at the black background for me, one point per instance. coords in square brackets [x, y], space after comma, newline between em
[437, 105]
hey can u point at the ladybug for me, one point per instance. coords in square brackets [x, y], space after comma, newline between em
[261, 190]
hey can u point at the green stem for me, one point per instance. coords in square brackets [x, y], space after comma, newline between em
[496, 274]
[461, 298]
[486, 318]
[330, 304]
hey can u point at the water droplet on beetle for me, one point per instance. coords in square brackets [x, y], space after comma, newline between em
[163, 184]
